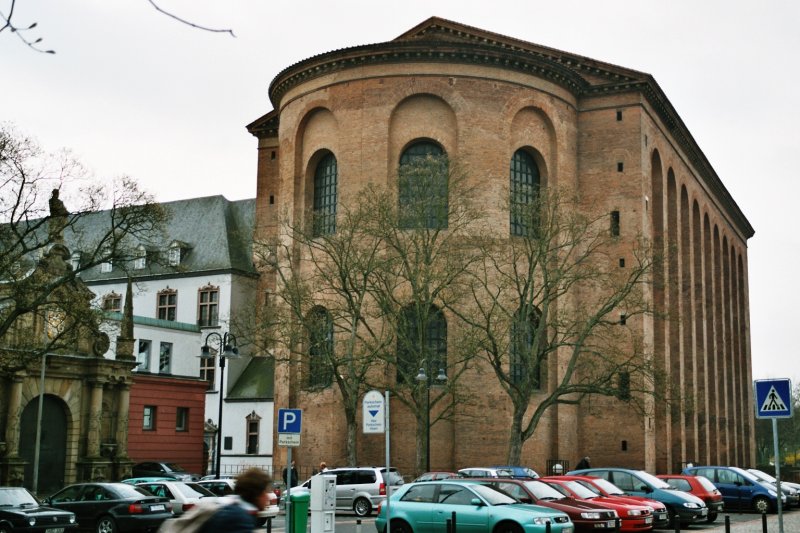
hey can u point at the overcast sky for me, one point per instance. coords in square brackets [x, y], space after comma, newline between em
[134, 92]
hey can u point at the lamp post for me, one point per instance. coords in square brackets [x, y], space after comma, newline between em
[227, 350]
[441, 378]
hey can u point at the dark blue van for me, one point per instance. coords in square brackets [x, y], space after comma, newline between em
[688, 508]
[740, 489]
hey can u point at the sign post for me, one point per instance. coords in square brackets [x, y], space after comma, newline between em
[774, 400]
[375, 412]
[290, 422]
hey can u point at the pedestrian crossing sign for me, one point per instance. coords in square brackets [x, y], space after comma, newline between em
[773, 398]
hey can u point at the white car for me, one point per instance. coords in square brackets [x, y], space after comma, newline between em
[224, 486]
[182, 495]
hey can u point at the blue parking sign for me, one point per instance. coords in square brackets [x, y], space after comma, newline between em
[773, 398]
[289, 420]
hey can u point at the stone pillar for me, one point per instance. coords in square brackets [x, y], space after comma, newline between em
[123, 407]
[14, 414]
[95, 420]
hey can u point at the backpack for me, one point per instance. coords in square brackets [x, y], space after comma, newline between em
[192, 520]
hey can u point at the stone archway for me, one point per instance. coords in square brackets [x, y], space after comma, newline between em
[52, 454]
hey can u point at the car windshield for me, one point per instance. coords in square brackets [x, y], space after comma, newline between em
[706, 483]
[394, 477]
[607, 487]
[172, 467]
[543, 491]
[653, 481]
[16, 497]
[125, 491]
[763, 475]
[747, 475]
[580, 491]
[492, 495]
[193, 490]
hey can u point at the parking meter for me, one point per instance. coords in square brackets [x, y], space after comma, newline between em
[323, 503]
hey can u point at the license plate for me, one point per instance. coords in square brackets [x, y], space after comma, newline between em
[662, 516]
[566, 529]
[158, 508]
[648, 520]
[704, 512]
[54, 530]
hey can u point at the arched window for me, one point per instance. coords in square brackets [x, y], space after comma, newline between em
[325, 178]
[421, 347]
[524, 190]
[525, 361]
[320, 350]
[422, 186]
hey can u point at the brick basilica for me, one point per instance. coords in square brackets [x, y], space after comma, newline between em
[605, 131]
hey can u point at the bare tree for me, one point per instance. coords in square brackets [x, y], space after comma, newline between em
[552, 297]
[40, 287]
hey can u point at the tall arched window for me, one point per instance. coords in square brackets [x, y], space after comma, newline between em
[421, 347]
[525, 359]
[422, 186]
[325, 178]
[320, 351]
[524, 189]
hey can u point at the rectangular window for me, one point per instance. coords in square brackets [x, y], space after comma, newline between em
[167, 308]
[149, 418]
[208, 307]
[141, 261]
[174, 256]
[252, 437]
[143, 356]
[624, 392]
[207, 366]
[615, 223]
[165, 358]
[182, 419]
[112, 302]
[106, 266]
[227, 443]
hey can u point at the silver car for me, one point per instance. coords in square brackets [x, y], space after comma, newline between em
[361, 489]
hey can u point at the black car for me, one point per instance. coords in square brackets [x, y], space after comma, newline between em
[112, 507]
[20, 511]
[158, 469]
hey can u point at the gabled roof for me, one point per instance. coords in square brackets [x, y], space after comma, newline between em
[218, 234]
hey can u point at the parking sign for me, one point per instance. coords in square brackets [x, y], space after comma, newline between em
[289, 420]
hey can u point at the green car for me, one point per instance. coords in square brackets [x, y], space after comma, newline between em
[426, 507]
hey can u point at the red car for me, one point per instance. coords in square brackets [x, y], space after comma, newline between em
[586, 516]
[701, 487]
[606, 488]
[634, 516]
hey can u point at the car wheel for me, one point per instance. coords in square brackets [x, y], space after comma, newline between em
[4, 529]
[712, 517]
[507, 527]
[106, 524]
[362, 507]
[399, 526]
[761, 504]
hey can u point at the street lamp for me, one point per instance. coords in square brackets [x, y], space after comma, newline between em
[441, 378]
[228, 350]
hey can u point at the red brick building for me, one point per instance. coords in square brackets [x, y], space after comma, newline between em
[166, 420]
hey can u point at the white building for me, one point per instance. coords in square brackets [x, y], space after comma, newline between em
[185, 291]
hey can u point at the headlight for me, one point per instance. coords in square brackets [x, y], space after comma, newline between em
[540, 520]
[32, 521]
[772, 493]
[72, 519]
[635, 512]
[591, 516]
[692, 505]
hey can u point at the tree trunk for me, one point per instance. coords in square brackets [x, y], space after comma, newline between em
[352, 428]
[515, 436]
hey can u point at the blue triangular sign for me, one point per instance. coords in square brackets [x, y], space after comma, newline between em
[373, 413]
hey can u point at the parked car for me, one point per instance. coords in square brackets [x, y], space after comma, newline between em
[156, 469]
[739, 488]
[435, 476]
[476, 472]
[225, 487]
[789, 489]
[360, 489]
[520, 471]
[633, 516]
[701, 487]
[183, 496]
[682, 506]
[112, 507]
[585, 515]
[20, 511]
[426, 506]
[137, 480]
[609, 490]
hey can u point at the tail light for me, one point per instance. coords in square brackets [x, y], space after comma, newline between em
[382, 490]
[187, 506]
[135, 508]
[380, 504]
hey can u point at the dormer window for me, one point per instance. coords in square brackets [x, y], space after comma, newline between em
[140, 262]
[75, 261]
[106, 266]
[177, 252]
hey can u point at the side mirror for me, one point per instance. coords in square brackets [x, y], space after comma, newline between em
[645, 488]
[737, 483]
[477, 502]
